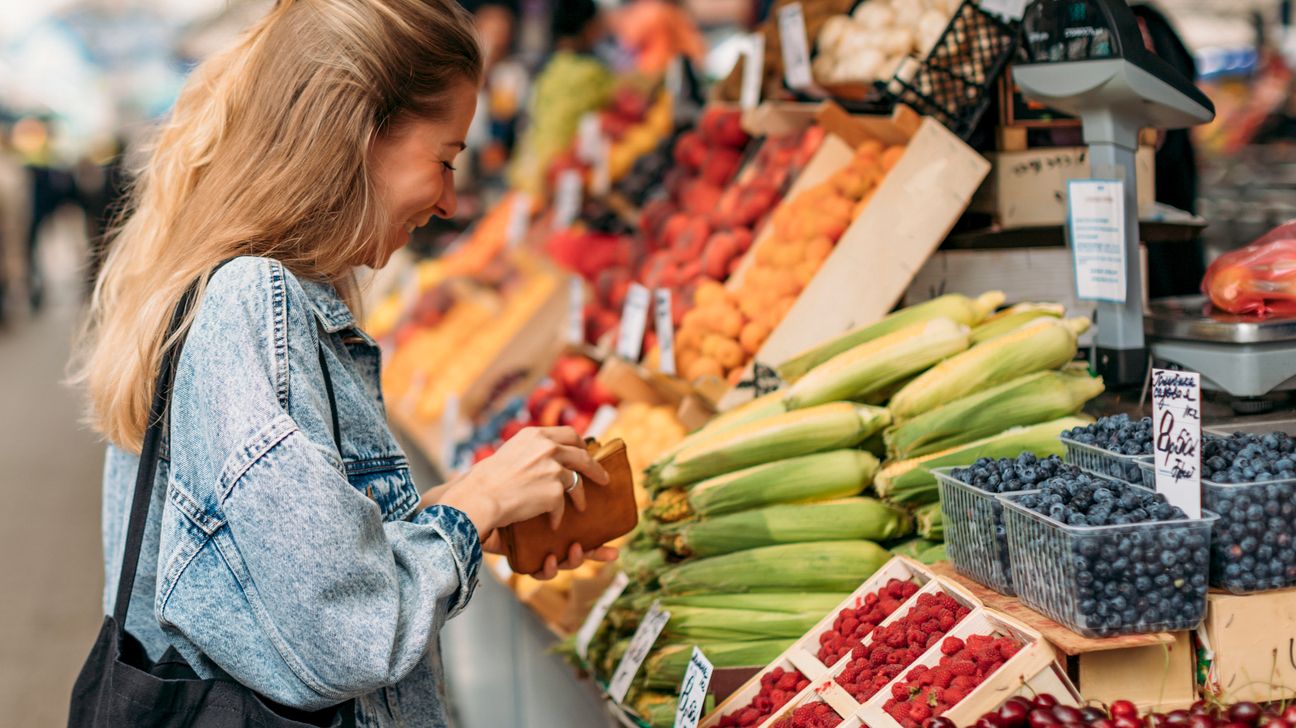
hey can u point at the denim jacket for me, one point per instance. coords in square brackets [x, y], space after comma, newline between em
[269, 557]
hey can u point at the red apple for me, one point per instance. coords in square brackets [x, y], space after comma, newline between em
[600, 395]
[552, 414]
[570, 371]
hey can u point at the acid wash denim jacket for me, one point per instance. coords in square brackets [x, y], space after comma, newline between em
[269, 557]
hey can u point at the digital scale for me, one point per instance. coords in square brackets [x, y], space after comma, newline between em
[1087, 58]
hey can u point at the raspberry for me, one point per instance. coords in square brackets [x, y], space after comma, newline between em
[951, 646]
[962, 668]
[1008, 648]
[787, 680]
[748, 716]
[918, 712]
[986, 655]
[964, 682]
[900, 691]
[941, 675]
[946, 619]
[953, 695]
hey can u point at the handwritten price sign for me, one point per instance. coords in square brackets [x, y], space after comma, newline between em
[640, 645]
[1176, 422]
[693, 691]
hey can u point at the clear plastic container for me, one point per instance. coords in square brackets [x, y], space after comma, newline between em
[1240, 561]
[976, 541]
[1103, 462]
[1108, 580]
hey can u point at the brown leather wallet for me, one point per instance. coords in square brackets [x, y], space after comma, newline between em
[610, 512]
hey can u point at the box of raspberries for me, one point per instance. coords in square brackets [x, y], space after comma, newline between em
[827, 644]
[1105, 557]
[975, 667]
[1249, 480]
[1111, 447]
[975, 539]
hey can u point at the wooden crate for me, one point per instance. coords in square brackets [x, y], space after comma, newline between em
[1250, 639]
[1028, 188]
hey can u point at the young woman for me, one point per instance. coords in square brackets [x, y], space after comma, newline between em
[292, 557]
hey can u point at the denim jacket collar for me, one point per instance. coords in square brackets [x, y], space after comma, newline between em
[329, 308]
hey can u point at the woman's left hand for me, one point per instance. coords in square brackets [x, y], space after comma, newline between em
[575, 557]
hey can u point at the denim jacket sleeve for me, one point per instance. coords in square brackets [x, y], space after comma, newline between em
[343, 603]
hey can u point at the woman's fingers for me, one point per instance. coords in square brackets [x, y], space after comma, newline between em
[563, 436]
[556, 515]
[550, 569]
[577, 493]
[578, 459]
[604, 554]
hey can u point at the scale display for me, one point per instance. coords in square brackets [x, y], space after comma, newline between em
[1073, 30]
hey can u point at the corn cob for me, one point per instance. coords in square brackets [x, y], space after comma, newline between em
[931, 524]
[956, 307]
[1042, 344]
[933, 554]
[761, 407]
[1014, 318]
[642, 565]
[835, 520]
[664, 668]
[784, 602]
[703, 623]
[1027, 400]
[658, 709]
[816, 566]
[832, 474]
[911, 482]
[911, 548]
[873, 366]
[826, 427]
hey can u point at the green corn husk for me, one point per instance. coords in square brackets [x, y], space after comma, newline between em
[913, 548]
[817, 566]
[956, 307]
[782, 602]
[931, 524]
[933, 554]
[765, 406]
[871, 367]
[832, 474]
[803, 432]
[911, 482]
[1027, 400]
[1040, 345]
[738, 625]
[643, 565]
[659, 710]
[664, 668]
[1013, 318]
[843, 519]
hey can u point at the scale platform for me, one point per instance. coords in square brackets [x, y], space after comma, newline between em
[1242, 356]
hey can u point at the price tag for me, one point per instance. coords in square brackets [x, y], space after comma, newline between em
[603, 418]
[1096, 223]
[640, 645]
[753, 71]
[674, 80]
[1009, 9]
[601, 182]
[796, 49]
[567, 199]
[1176, 423]
[665, 330]
[693, 690]
[449, 431]
[576, 311]
[519, 219]
[634, 317]
[589, 135]
[600, 609]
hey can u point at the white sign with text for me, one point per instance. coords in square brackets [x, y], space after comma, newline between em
[1176, 437]
[795, 47]
[634, 318]
[653, 622]
[665, 330]
[693, 690]
[585, 634]
[1096, 227]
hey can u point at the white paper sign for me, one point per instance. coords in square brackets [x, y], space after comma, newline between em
[753, 71]
[585, 634]
[576, 311]
[567, 199]
[634, 317]
[796, 50]
[1176, 443]
[665, 330]
[603, 418]
[653, 622]
[519, 219]
[1096, 223]
[674, 80]
[589, 135]
[1009, 9]
[693, 691]
[601, 182]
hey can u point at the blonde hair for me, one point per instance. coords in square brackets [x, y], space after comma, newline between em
[265, 153]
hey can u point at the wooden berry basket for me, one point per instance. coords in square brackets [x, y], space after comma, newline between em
[1029, 672]
[803, 654]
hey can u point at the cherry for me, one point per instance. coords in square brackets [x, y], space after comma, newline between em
[939, 721]
[1045, 701]
[1091, 714]
[1157, 720]
[989, 720]
[1102, 723]
[1015, 713]
[1201, 720]
[1042, 718]
[1067, 714]
[1123, 709]
[1289, 715]
[1177, 717]
[1273, 721]
[1247, 713]
[1127, 721]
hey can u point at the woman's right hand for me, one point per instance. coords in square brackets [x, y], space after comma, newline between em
[528, 476]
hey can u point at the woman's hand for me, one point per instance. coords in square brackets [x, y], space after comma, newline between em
[530, 475]
[575, 557]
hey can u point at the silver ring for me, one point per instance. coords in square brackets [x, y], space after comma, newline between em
[575, 481]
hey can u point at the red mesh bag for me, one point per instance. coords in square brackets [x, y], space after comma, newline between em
[1259, 279]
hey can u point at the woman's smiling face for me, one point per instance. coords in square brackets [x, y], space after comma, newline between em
[414, 170]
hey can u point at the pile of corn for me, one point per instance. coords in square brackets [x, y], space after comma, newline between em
[767, 517]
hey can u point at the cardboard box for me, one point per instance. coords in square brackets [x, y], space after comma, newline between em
[1155, 678]
[1028, 188]
[1253, 640]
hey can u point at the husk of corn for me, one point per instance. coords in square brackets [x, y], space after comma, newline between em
[1014, 317]
[1027, 400]
[664, 668]
[911, 548]
[835, 520]
[875, 365]
[816, 429]
[1042, 344]
[911, 482]
[659, 710]
[933, 554]
[783, 602]
[832, 474]
[740, 625]
[764, 406]
[642, 565]
[956, 307]
[816, 566]
[931, 524]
